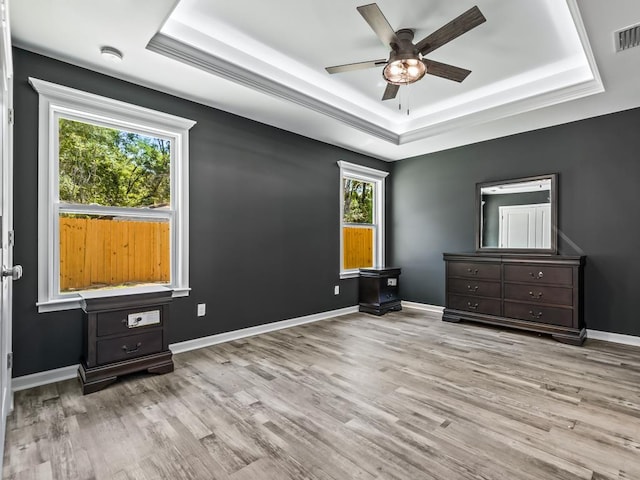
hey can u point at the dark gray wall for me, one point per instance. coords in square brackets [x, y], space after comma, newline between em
[264, 226]
[599, 207]
[491, 213]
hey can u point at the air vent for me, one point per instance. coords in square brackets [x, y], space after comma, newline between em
[627, 38]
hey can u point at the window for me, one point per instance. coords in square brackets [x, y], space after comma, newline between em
[113, 197]
[361, 218]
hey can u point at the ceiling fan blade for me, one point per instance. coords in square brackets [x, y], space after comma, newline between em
[444, 70]
[390, 92]
[356, 66]
[456, 27]
[378, 23]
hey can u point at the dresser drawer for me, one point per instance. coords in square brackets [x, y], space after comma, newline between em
[130, 346]
[475, 304]
[537, 313]
[123, 321]
[538, 274]
[487, 271]
[539, 294]
[474, 287]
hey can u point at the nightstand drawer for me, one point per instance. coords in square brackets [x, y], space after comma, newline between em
[474, 270]
[122, 321]
[474, 287]
[131, 346]
[535, 274]
[488, 306]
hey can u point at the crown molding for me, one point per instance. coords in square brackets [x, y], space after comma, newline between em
[232, 71]
[189, 55]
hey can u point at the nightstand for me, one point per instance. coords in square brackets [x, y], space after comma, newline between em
[379, 290]
[124, 334]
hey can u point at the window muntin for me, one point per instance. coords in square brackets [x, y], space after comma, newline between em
[144, 136]
[361, 218]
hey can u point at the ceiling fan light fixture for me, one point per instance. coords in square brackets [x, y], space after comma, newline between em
[404, 71]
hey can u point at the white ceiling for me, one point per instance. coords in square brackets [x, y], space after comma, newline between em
[534, 63]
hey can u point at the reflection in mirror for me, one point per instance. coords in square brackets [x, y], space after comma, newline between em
[517, 214]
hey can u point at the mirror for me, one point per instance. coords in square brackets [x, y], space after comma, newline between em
[518, 215]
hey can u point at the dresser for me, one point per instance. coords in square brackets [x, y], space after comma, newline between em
[122, 335]
[539, 293]
[378, 290]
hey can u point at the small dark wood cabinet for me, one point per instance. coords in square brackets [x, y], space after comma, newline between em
[540, 293]
[378, 289]
[122, 335]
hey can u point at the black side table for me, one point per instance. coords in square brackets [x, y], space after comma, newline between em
[379, 290]
[124, 334]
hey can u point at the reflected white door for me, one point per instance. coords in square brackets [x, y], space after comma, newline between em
[525, 226]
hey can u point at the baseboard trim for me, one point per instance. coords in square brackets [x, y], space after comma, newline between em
[202, 342]
[44, 378]
[592, 334]
[67, 373]
[436, 310]
[613, 337]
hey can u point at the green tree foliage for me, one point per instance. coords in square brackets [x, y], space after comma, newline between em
[105, 166]
[358, 201]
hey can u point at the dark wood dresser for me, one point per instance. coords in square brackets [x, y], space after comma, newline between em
[122, 335]
[540, 293]
[378, 290]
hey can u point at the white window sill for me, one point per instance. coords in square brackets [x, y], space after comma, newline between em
[349, 274]
[74, 302]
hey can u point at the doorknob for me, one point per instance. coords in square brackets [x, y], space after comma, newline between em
[14, 272]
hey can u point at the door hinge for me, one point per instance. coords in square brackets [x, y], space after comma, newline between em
[11, 116]
[10, 360]
[12, 238]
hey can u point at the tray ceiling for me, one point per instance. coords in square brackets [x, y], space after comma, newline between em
[265, 61]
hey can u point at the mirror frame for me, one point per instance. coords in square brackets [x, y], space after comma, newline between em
[554, 215]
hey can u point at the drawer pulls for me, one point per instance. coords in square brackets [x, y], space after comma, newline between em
[472, 307]
[472, 271]
[535, 295]
[474, 289]
[536, 276]
[535, 315]
[133, 350]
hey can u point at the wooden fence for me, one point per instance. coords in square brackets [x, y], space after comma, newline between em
[357, 247]
[95, 253]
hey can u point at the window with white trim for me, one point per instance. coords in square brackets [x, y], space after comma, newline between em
[112, 197]
[361, 218]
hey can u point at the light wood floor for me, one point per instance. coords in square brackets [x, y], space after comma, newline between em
[401, 396]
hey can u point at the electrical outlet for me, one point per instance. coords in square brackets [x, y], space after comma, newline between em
[202, 309]
[336, 290]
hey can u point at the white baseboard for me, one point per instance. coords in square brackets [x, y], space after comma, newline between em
[593, 334]
[436, 310]
[613, 337]
[202, 342]
[71, 371]
[67, 373]
[44, 378]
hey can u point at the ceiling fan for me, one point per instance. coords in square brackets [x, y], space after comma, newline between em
[406, 63]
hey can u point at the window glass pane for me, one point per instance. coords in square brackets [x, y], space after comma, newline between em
[111, 167]
[357, 247]
[98, 252]
[358, 201]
